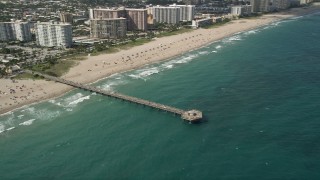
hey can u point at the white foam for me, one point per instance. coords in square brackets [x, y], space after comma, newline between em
[45, 114]
[185, 59]
[143, 73]
[204, 52]
[72, 98]
[149, 72]
[218, 47]
[114, 82]
[214, 51]
[79, 100]
[235, 38]
[134, 76]
[52, 101]
[27, 123]
[10, 128]
[169, 66]
[251, 32]
[30, 109]
[56, 103]
[2, 128]
[107, 87]
[7, 113]
[20, 116]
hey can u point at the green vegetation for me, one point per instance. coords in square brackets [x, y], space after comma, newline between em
[251, 16]
[60, 68]
[108, 50]
[102, 48]
[179, 31]
[27, 76]
[133, 43]
[57, 69]
[218, 24]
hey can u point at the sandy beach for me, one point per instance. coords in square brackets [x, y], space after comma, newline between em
[15, 94]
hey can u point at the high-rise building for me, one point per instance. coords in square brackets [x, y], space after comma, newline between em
[305, 1]
[170, 15]
[106, 13]
[269, 5]
[15, 30]
[241, 10]
[53, 34]
[66, 18]
[108, 28]
[260, 5]
[187, 12]
[281, 4]
[136, 19]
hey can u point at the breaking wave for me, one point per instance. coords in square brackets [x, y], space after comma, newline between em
[27, 123]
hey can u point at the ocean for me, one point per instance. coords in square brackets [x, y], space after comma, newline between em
[259, 91]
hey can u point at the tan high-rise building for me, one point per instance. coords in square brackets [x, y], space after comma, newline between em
[136, 19]
[107, 13]
[281, 4]
[269, 5]
[113, 28]
[260, 5]
[66, 18]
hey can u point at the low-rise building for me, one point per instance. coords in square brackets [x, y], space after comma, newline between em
[201, 22]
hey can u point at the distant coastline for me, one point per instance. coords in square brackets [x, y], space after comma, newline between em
[98, 67]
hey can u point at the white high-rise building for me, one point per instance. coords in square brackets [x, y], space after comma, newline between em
[16, 30]
[187, 12]
[51, 34]
[305, 1]
[170, 15]
[241, 10]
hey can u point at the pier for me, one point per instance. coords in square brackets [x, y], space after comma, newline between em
[187, 115]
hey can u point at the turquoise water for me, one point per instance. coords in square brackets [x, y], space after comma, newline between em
[259, 91]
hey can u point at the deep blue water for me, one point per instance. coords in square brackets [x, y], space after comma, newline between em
[259, 91]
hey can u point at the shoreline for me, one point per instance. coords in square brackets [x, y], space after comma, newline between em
[96, 68]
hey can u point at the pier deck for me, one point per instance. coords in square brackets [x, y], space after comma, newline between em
[190, 115]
